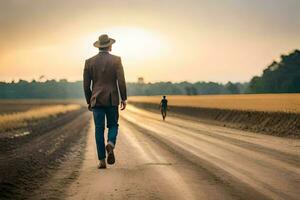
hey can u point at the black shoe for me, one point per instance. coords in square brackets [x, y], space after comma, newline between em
[110, 154]
[102, 164]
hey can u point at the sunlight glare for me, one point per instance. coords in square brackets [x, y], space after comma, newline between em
[131, 42]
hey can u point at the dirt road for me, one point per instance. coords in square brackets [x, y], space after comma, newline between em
[181, 159]
[52, 146]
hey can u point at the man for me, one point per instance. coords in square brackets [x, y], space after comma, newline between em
[104, 72]
[163, 107]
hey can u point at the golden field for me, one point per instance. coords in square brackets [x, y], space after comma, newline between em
[20, 119]
[255, 102]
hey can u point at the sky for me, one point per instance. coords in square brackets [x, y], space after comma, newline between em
[166, 40]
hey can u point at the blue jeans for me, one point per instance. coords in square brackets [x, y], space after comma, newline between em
[112, 117]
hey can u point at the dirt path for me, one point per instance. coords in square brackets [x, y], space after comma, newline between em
[180, 159]
[28, 163]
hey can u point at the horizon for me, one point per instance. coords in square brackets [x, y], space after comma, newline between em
[43, 78]
[73, 81]
[214, 41]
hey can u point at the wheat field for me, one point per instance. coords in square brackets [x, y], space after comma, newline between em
[255, 102]
[20, 119]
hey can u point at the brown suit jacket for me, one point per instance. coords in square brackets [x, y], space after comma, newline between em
[104, 72]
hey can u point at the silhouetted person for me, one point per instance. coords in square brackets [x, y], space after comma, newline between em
[164, 107]
[104, 72]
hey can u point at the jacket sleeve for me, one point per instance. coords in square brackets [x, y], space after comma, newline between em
[121, 80]
[87, 83]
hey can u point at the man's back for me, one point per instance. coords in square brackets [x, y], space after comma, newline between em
[164, 103]
[105, 72]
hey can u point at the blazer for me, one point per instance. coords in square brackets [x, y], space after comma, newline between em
[103, 80]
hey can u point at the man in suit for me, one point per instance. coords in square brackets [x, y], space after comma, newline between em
[103, 81]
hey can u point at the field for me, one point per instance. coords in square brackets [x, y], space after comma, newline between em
[13, 106]
[252, 102]
[274, 114]
[22, 119]
[36, 137]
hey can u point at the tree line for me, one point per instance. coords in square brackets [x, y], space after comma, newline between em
[62, 89]
[185, 88]
[279, 77]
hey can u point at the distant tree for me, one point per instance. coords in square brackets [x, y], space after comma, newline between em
[191, 90]
[34, 89]
[63, 80]
[232, 88]
[243, 87]
[279, 77]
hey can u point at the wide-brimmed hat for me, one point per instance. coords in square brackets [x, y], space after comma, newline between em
[104, 41]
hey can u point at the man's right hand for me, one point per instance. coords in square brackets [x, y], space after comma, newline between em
[123, 105]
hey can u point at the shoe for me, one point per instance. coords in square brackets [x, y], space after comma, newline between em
[102, 164]
[110, 154]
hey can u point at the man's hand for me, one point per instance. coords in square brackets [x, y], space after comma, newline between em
[90, 108]
[123, 105]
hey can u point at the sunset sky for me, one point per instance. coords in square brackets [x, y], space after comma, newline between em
[166, 40]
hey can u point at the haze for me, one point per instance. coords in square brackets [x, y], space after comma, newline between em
[230, 40]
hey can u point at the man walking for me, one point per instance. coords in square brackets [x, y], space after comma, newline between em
[163, 107]
[104, 73]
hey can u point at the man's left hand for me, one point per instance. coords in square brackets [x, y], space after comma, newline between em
[123, 105]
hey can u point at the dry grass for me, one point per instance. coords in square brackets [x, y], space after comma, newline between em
[256, 102]
[20, 119]
[22, 105]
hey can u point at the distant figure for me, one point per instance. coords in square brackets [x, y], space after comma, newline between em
[104, 72]
[163, 107]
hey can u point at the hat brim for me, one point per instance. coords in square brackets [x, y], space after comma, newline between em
[98, 45]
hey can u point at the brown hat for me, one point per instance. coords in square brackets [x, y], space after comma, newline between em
[104, 41]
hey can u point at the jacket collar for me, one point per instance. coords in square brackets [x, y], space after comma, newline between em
[103, 51]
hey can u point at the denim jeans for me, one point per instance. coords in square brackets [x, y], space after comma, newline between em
[112, 116]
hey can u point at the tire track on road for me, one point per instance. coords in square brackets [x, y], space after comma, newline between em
[288, 180]
[220, 178]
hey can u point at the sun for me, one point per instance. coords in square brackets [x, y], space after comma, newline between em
[132, 42]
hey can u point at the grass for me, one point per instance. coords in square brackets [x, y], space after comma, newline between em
[22, 105]
[255, 102]
[20, 119]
